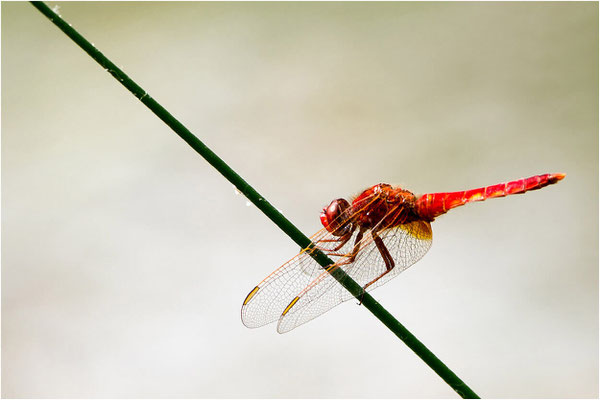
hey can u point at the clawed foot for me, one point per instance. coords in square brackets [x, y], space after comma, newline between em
[363, 294]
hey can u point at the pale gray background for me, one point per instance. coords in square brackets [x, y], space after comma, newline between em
[125, 256]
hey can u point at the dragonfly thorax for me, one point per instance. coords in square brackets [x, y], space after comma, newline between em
[384, 206]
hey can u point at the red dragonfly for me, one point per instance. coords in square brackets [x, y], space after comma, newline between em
[382, 232]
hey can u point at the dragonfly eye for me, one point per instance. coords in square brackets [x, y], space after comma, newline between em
[335, 218]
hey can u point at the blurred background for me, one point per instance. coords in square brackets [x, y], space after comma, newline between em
[126, 257]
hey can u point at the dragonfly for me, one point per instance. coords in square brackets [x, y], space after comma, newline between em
[372, 238]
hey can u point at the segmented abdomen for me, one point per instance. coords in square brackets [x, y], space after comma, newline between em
[432, 205]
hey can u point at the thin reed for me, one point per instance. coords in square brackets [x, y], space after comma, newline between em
[259, 201]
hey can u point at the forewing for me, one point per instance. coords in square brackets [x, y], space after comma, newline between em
[267, 301]
[271, 297]
[406, 243]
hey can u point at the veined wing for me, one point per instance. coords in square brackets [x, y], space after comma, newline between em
[406, 243]
[267, 301]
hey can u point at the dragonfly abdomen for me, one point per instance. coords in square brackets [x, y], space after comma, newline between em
[432, 205]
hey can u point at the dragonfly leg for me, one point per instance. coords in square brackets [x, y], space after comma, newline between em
[387, 258]
[350, 257]
[342, 241]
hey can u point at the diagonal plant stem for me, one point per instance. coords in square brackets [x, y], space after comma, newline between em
[271, 212]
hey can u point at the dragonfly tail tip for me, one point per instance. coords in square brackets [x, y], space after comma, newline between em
[558, 177]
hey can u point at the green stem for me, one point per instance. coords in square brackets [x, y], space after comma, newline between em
[271, 212]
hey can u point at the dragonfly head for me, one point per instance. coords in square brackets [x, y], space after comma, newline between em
[336, 217]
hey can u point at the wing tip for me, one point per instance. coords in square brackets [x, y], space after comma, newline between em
[250, 295]
[287, 309]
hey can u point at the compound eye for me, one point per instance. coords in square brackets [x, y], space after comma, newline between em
[335, 217]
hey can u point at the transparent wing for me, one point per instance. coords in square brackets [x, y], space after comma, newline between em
[267, 301]
[406, 243]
